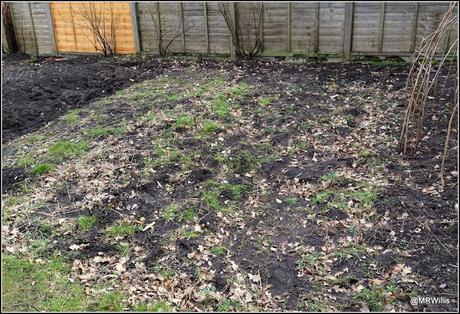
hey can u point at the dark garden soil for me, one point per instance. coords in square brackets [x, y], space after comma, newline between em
[36, 92]
[253, 185]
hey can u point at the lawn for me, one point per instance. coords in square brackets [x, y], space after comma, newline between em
[221, 186]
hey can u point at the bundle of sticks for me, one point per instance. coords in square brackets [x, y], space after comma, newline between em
[422, 82]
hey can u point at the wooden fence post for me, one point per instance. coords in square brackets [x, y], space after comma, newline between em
[51, 27]
[414, 29]
[381, 26]
[8, 33]
[33, 29]
[261, 30]
[316, 48]
[289, 26]
[235, 26]
[183, 26]
[348, 30]
[159, 26]
[206, 29]
[135, 23]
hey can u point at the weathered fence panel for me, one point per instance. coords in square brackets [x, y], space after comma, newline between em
[338, 28]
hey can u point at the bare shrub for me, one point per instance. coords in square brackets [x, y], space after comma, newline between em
[102, 29]
[245, 28]
[165, 35]
[422, 84]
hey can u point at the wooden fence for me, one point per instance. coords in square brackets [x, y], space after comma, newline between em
[288, 28]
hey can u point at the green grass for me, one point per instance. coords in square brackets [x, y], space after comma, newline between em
[365, 197]
[122, 228]
[321, 197]
[149, 117]
[26, 161]
[38, 248]
[220, 107]
[72, 116]
[158, 306]
[311, 262]
[332, 178]
[324, 120]
[243, 162]
[173, 97]
[163, 270]
[111, 302]
[183, 122]
[66, 149]
[291, 201]
[237, 190]
[188, 215]
[210, 127]
[211, 200]
[364, 153]
[100, 131]
[346, 252]
[33, 139]
[86, 222]
[190, 234]
[42, 169]
[213, 190]
[266, 100]
[219, 250]
[307, 126]
[374, 297]
[170, 212]
[28, 286]
[123, 249]
[227, 305]
[239, 90]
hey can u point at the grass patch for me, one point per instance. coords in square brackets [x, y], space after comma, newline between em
[26, 161]
[111, 302]
[227, 305]
[307, 126]
[349, 251]
[33, 139]
[190, 234]
[122, 228]
[214, 190]
[42, 169]
[243, 162]
[266, 100]
[183, 122]
[210, 127]
[187, 215]
[123, 249]
[86, 222]
[103, 131]
[170, 212]
[149, 117]
[157, 307]
[321, 197]
[66, 149]
[374, 297]
[365, 197]
[311, 263]
[332, 178]
[34, 287]
[72, 116]
[218, 250]
[211, 200]
[291, 201]
[220, 107]
[239, 90]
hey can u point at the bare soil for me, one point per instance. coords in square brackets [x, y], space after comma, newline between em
[331, 216]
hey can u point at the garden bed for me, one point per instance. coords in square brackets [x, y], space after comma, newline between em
[222, 186]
